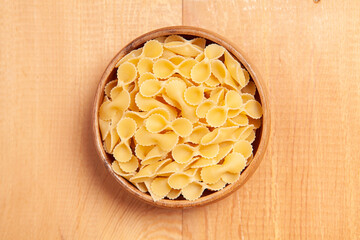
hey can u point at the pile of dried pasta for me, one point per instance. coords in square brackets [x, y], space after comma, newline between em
[180, 118]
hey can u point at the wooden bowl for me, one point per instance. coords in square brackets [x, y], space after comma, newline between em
[262, 134]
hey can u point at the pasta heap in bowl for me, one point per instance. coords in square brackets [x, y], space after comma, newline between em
[180, 118]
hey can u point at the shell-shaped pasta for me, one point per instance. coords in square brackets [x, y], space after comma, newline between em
[182, 127]
[211, 174]
[186, 66]
[212, 81]
[216, 116]
[197, 133]
[214, 51]
[203, 108]
[122, 152]
[183, 153]
[244, 147]
[160, 186]
[150, 88]
[104, 127]
[163, 68]
[194, 95]
[230, 177]
[201, 72]
[192, 191]
[250, 88]
[253, 109]
[116, 168]
[219, 70]
[216, 186]
[156, 123]
[173, 194]
[120, 103]
[152, 49]
[167, 54]
[148, 104]
[233, 100]
[149, 171]
[130, 166]
[176, 59]
[133, 54]
[145, 76]
[145, 65]
[182, 46]
[246, 97]
[180, 180]
[234, 162]
[126, 73]
[171, 168]
[251, 137]
[240, 120]
[126, 128]
[109, 86]
[175, 89]
[165, 141]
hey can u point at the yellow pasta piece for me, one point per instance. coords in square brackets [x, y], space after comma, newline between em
[139, 117]
[116, 168]
[214, 51]
[235, 70]
[157, 123]
[175, 89]
[148, 104]
[233, 100]
[104, 127]
[201, 72]
[182, 179]
[181, 46]
[152, 49]
[126, 73]
[131, 55]
[129, 166]
[244, 147]
[253, 109]
[120, 102]
[109, 86]
[233, 163]
[192, 191]
[148, 171]
[216, 186]
[216, 116]
[246, 97]
[224, 149]
[160, 186]
[197, 133]
[183, 153]
[194, 95]
[250, 88]
[251, 137]
[164, 68]
[145, 65]
[173, 194]
[204, 108]
[165, 141]
[230, 177]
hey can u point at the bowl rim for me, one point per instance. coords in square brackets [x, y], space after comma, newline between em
[262, 91]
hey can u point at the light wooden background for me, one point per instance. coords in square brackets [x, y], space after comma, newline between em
[52, 186]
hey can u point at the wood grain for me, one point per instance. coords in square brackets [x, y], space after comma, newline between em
[52, 55]
[307, 186]
[53, 186]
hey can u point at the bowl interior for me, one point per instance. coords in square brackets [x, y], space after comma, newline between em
[262, 133]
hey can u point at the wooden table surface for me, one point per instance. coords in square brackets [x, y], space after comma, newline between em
[52, 184]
